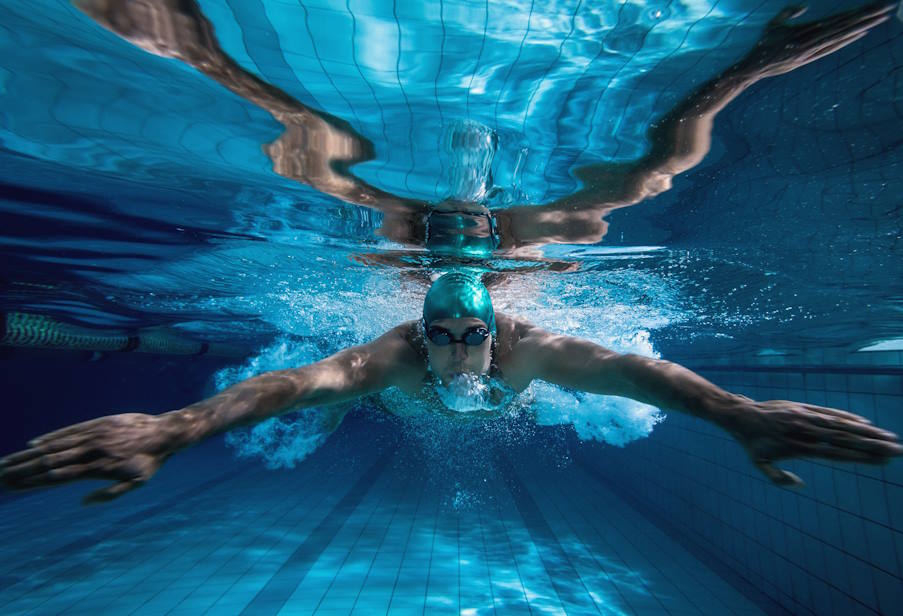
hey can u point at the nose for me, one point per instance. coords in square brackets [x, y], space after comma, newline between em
[459, 351]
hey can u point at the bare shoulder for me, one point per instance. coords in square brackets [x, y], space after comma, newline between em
[402, 342]
[515, 331]
[403, 347]
[518, 342]
[528, 352]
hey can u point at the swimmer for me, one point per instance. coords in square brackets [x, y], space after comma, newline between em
[460, 339]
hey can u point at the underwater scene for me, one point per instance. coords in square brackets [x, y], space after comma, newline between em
[451, 307]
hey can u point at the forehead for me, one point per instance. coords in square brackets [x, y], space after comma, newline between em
[456, 326]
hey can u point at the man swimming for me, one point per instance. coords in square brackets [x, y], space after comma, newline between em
[459, 338]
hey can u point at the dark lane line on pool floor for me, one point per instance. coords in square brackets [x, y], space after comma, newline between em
[272, 597]
[554, 559]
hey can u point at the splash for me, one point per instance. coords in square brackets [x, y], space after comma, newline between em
[618, 309]
[609, 419]
[465, 393]
[469, 393]
[281, 442]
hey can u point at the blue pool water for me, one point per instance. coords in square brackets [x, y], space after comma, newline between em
[236, 186]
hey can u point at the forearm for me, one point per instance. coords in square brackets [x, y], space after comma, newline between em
[587, 366]
[678, 142]
[178, 29]
[681, 139]
[248, 402]
[671, 387]
[317, 148]
[347, 375]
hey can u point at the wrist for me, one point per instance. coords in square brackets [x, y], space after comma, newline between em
[746, 72]
[182, 428]
[733, 411]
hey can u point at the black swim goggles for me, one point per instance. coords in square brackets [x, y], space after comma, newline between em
[475, 336]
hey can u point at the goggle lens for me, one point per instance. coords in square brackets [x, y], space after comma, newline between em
[475, 337]
[472, 337]
[439, 337]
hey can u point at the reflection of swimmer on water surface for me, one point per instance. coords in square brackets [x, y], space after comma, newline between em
[464, 356]
[319, 149]
[461, 237]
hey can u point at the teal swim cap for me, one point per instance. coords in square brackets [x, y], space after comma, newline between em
[457, 295]
[458, 233]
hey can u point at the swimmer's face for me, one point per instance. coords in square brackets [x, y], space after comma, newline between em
[457, 357]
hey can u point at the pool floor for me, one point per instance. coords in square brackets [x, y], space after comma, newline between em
[367, 532]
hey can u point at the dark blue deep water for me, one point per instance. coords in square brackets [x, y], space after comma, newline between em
[195, 192]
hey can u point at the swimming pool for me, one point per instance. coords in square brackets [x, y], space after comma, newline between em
[200, 207]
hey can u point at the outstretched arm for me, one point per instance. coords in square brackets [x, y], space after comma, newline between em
[769, 430]
[317, 149]
[681, 139]
[129, 448]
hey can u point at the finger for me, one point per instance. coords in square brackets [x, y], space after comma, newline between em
[43, 449]
[64, 442]
[44, 463]
[830, 452]
[779, 476]
[873, 446]
[114, 491]
[66, 474]
[853, 16]
[824, 410]
[846, 426]
[850, 29]
[878, 441]
[850, 452]
[791, 12]
[840, 23]
[873, 10]
[826, 51]
[67, 431]
[20, 456]
[828, 44]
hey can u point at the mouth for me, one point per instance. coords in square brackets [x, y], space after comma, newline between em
[464, 392]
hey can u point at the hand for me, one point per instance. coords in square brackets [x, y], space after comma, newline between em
[779, 429]
[167, 28]
[127, 449]
[785, 46]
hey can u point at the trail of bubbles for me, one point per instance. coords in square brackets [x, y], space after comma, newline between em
[616, 421]
[281, 442]
[617, 309]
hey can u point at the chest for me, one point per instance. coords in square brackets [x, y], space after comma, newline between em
[499, 397]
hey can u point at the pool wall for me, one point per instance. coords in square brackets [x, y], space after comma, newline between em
[833, 547]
